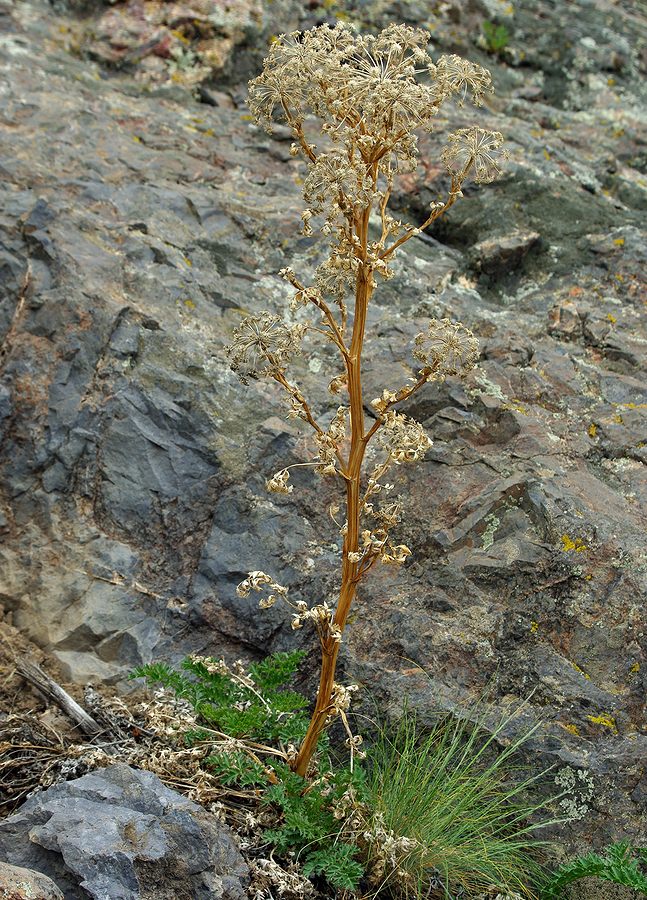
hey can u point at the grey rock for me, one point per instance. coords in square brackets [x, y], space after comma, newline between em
[120, 834]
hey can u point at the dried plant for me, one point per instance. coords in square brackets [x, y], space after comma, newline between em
[369, 95]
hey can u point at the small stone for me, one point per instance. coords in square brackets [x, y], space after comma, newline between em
[564, 320]
[17, 883]
[504, 253]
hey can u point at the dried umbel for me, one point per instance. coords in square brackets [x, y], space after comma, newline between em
[446, 349]
[367, 96]
[263, 345]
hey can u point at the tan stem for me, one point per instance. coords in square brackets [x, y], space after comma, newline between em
[349, 576]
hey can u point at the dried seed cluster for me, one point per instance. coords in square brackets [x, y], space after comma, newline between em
[263, 345]
[446, 348]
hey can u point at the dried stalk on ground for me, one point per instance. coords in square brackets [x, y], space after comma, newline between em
[370, 95]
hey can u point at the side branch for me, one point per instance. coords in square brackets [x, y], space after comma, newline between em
[296, 394]
[454, 193]
[295, 125]
[298, 397]
[322, 306]
[403, 394]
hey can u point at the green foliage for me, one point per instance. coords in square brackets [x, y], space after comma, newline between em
[451, 793]
[257, 707]
[235, 768]
[261, 710]
[496, 37]
[308, 826]
[336, 864]
[618, 865]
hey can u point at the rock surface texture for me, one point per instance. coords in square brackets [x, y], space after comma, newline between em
[17, 883]
[138, 224]
[120, 834]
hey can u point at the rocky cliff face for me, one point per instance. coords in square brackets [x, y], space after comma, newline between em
[138, 223]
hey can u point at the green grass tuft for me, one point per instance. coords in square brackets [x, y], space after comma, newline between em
[453, 791]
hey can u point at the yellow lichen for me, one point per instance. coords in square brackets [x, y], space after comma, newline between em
[593, 430]
[534, 627]
[572, 728]
[581, 671]
[576, 544]
[635, 667]
[619, 242]
[605, 720]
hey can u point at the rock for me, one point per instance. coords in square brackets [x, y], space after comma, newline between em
[597, 889]
[565, 321]
[119, 833]
[185, 42]
[498, 255]
[133, 464]
[17, 883]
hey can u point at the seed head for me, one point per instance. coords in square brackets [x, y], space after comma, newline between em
[446, 348]
[263, 345]
[474, 147]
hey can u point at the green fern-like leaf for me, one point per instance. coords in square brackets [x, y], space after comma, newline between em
[236, 768]
[211, 687]
[276, 670]
[249, 723]
[160, 673]
[337, 864]
[617, 866]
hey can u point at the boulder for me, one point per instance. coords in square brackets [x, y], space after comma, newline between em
[121, 834]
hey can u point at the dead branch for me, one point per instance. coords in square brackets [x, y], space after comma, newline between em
[53, 691]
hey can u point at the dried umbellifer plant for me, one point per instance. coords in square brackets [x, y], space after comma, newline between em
[369, 96]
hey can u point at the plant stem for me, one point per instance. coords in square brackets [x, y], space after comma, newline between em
[349, 576]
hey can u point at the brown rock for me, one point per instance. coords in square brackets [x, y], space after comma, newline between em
[504, 253]
[17, 883]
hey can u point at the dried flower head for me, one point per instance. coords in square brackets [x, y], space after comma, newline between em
[404, 439]
[263, 345]
[278, 483]
[446, 348]
[477, 148]
[459, 76]
[261, 582]
[370, 92]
